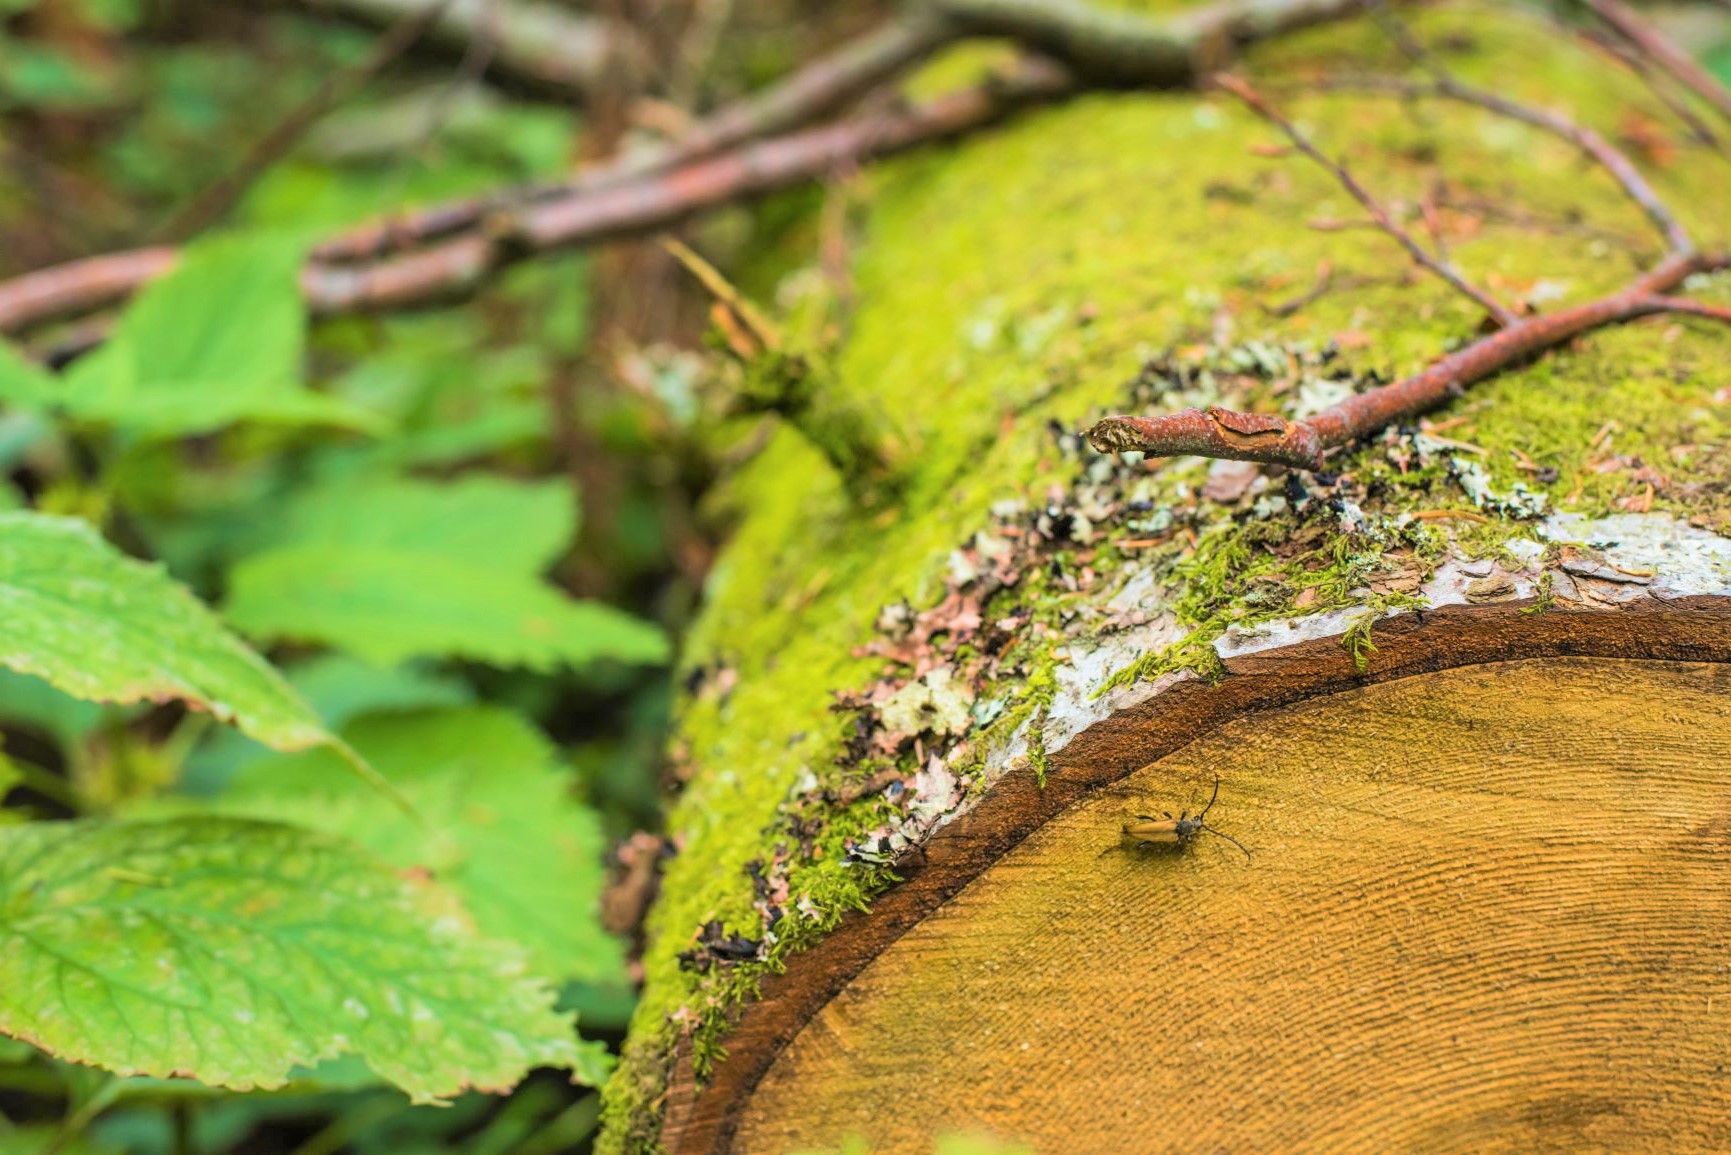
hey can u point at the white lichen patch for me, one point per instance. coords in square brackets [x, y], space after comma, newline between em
[1582, 564]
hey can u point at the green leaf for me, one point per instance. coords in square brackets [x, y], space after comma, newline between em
[502, 828]
[218, 340]
[103, 627]
[233, 951]
[10, 776]
[342, 688]
[40, 1140]
[23, 383]
[508, 526]
[339, 688]
[390, 569]
[387, 606]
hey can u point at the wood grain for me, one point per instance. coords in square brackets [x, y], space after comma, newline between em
[703, 1118]
[1489, 909]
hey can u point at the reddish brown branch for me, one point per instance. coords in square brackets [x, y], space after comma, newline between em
[1101, 45]
[819, 88]
[655, 201]
[1611, 159]
[1694, 308]
[1420, 255]
[1217, 432]
[79, 286]
[469, 239]
[1659, 49]
[1224, 433]
[816, 90]
[659, 200]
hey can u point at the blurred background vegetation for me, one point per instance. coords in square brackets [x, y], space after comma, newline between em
[550, 429]
[554, 429]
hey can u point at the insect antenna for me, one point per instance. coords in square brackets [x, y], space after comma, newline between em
[1230, 839]
[1211, 798]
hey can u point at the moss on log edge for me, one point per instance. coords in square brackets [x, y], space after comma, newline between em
[1681, 612]
[1025, 284]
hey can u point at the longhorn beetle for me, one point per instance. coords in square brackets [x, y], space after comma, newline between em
[1180, 831]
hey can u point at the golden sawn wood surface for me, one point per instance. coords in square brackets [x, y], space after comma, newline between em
[1489, 909]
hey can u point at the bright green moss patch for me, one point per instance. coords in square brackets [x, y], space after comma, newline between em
[1025, 278]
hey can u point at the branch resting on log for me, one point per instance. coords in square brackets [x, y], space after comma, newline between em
[1217, 432]
[1433, 263]
[473, 238]
[1649, 41]
[658, 200]
[1224, 433]
[628, 208]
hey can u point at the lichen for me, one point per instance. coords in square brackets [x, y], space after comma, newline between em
[1011, 282]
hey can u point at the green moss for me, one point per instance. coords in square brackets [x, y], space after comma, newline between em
[1024, 278]
[1040, 690]
[1544, 594]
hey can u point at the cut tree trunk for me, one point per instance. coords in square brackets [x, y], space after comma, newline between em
[1467, 694]
[1486, 907]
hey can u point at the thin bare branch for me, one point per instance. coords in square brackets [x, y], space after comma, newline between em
[662, 199]
[821, 87]
[1102, 45]
[816, 90]
[210, 205]
[1605, 154]
[468, 240]
[1218, 432]
[1420, 255]
[78, 287]
[1695, 308]
[1613, 48]
[1611, 159]
[459, 264]
[1658, 48]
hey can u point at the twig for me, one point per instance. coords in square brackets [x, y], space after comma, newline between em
[1328, 281]
[1416, 251]
[1611, 159]
[1324, 282]
[458, 265]
[1607, 155]
[1694, 308]
[819, 88]
[1100, 45]
[80, 286]
[210, 205]
[1659, 49]
[1491, 210]
[1218, 432]
[815, 90]
[1616, 50]
[468, 240]
[660, 200]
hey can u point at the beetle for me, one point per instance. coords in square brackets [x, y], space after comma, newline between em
[1180, 831]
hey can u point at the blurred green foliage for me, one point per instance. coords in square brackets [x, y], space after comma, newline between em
[386, 506]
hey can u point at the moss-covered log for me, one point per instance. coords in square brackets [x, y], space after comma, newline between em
[948, 686]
